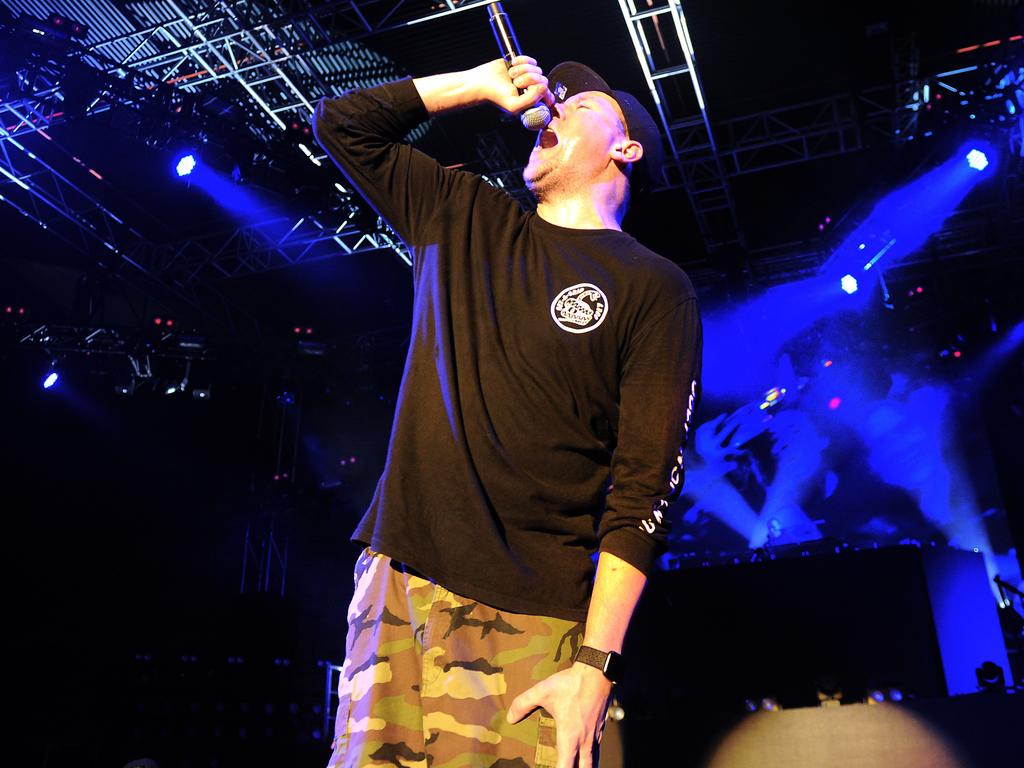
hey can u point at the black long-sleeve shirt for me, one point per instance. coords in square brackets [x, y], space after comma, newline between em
[549, 386]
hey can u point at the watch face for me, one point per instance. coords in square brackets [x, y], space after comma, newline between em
[614, 667]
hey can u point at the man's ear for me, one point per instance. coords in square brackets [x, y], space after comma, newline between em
[627, 151]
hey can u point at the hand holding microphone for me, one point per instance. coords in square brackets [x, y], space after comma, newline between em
[523, 70]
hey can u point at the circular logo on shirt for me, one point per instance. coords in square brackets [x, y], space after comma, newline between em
[579, 308]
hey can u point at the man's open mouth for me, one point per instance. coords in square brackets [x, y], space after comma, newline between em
[548, 139]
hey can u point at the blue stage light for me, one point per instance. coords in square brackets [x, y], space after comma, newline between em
[849, 283]
[977, 160]
[50, 380]
[186, 165]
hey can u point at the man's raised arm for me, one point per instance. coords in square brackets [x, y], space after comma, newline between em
[363, 130]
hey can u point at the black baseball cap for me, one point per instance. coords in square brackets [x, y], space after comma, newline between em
[570, 77]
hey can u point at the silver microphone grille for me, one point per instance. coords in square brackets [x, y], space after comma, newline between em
[536, 118]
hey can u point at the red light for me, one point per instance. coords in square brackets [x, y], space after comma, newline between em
[170, 322]
[57, 21]
[828, 363]
[828, 219]
[834, 403]
[157, 321]
[956, 353]
[352, 460]
[9, 310]
[21, 310]
[920, 289]
[277, 477]
[296, 330]
[309, 331]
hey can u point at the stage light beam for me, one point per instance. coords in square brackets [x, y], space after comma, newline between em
[849, 283]
[51, 379]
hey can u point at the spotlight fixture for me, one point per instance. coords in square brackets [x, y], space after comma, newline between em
[990, 677]
[185, 165]
[977, 159]
[849, 284]
[51, 380]
[65, 26]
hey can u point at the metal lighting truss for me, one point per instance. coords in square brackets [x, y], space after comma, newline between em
[280, 52]
[670, 70]
[811, 130]
[269, 47]
[702, 161]
[257, 45]
[71, 210]
[114, 342]
[65, 209]
[201, 45]
[247, 250]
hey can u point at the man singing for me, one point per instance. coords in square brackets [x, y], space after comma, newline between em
[548, 393]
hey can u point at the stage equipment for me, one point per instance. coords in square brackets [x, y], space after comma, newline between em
[172, 353]
[977, 160]
[185, 165]
[990, 677]
[903, 220]
[62, 25]
[538, 116]
[72, 210]
[51, 378]
[695, 162]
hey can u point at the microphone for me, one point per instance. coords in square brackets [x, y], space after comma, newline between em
[537, 117]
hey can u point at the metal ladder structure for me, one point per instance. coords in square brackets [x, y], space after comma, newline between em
[667, 58]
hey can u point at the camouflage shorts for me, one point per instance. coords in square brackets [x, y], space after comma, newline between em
[429, 675]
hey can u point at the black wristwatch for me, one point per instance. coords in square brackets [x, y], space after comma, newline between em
[609, 662]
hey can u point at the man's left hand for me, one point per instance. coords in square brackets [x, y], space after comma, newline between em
[577, 698]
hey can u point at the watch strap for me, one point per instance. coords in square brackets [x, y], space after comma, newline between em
[609, 662]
